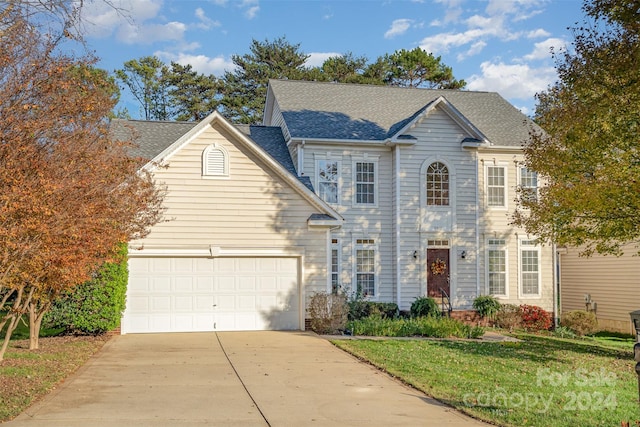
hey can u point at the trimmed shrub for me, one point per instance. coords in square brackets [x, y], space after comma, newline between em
[417, 326]
[486, 305]
[96, 306]
[509, 317]
[328, 312]
[535, 318]
[361, 309]
[580, 322]
[425, 307]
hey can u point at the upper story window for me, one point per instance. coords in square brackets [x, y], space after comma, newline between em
[496, 186]
[365, 182]
[215, 161]
[327, 176]
[528, 185]
[437, 185]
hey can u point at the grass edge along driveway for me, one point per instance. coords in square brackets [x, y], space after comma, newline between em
[540, 381]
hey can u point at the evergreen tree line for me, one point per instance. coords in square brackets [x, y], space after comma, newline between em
[178, 92]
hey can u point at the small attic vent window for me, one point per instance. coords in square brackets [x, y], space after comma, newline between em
[215, 161]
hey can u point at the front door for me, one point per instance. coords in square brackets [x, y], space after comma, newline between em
[437, 272]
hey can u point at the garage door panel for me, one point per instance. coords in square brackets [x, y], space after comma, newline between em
[203, 294]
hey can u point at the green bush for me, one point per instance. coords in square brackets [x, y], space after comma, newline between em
[328, 312]
[425, 307]
[361, 309]
[96, 306]
[420, 326]
[580, 322]
[487, 306]
[509, 317]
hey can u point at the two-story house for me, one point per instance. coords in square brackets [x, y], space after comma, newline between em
[426, 182]
[391, 192]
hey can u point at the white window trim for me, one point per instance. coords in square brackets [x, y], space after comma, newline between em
[538, 249]
[354, 174]
[504, 166]
[520, 169]
[215, 146]
[328, 158]
[376, 273]
[505, 248]
[423, 186]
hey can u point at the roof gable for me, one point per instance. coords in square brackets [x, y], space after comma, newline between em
[269, 146]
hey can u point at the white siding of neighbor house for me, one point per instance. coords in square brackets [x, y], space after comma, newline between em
[438, 139]
[252, 208]
[496, 223]
[612, 282]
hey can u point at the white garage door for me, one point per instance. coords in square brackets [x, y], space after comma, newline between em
[204, 294]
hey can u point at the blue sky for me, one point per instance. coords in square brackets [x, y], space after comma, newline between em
[495, 45]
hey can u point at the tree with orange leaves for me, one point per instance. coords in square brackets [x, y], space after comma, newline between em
[70, 193]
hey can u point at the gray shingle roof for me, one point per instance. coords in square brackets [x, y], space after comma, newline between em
[153, 137]
[366, 112]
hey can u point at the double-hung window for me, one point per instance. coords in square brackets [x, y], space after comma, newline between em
[366, 267]
[496, 186]
[528, 185]
[529, 268]
[497, 267]
[328, 175]
[335, 266]
[365, 180]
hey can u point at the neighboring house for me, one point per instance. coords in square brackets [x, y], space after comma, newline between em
[607, 285]
[426, 182]
[391, 192]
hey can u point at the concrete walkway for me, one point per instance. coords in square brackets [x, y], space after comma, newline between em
[232, 379]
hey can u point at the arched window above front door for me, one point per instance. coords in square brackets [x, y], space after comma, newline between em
[437, 184]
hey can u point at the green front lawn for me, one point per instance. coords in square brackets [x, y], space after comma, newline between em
[541, 381]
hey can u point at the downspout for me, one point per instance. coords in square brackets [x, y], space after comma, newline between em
[556, 284]
[396, 153]
[301, 159]
[477, 226]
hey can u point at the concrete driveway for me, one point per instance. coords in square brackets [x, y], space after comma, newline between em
[232, 379]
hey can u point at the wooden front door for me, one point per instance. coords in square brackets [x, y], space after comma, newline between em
[437, 272]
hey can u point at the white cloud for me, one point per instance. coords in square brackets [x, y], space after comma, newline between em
[147, 34]
[441, 43]
[398, 27]
[103, 18]
[512, 81]
[537, 33]
[250, 7]
[200, 63]
[453, 11]
[475, 49]
[542, 50]
[316, 59]
[205, 22]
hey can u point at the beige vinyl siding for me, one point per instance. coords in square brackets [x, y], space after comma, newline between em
[252, 208]
[438, 139]
[613, 283]
[361, 222]
[276, 119]
[495, 223]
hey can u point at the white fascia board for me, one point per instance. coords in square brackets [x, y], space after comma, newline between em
[169, 252]
[324, 223]
[499, 148]
[342, 142]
